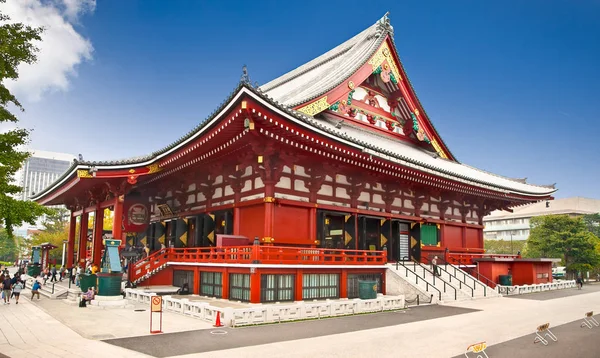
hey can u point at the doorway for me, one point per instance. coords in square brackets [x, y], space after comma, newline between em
[399, 248]
[369, 233]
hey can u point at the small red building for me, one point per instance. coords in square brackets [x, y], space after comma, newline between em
[335, 167]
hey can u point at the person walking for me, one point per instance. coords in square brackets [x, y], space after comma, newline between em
[53, 273]
[35, 289]
[434, 266]
[17, 288]
[61, 273]
[6, 288]
[579, 282]
[13, 281]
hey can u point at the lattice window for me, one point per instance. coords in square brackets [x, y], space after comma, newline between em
[239, 286]
[277, 288]
[211, 284]
[320, 286]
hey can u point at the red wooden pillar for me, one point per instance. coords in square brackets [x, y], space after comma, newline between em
[463, 231]
[225, 284]
[197, 280]
[71, 242]
[237, 220]
[255, 286]
[97, 238]
[298, 286]
[83, 233]
[344, 284]
[269, 212]
[117, 229]
[312, 225]
[383, 290]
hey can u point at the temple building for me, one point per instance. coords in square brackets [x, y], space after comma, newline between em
[296, 188]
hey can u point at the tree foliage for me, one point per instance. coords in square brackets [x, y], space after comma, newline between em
[55, 237]
[107, 222]
[561, 236]
[17, 46]
[503, 247]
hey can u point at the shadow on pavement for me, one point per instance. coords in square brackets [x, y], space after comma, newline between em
[573, 341]
[173, 344]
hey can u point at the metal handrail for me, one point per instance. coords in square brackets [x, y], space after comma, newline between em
[427, 284]
[460, 283]
[475, 281]
[434, 276]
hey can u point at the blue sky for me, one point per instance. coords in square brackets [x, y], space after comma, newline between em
[511, 86]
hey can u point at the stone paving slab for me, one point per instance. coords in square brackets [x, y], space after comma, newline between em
[98, 324]
[224, 338]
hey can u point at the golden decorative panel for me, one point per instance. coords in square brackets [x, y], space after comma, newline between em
[381, 55]
[153, 168]
[82, 173]
[316, 107]
[269, 199]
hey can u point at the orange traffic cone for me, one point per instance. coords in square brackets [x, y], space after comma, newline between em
[218, 320]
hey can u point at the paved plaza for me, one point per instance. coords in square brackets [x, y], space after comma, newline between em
[52, 328]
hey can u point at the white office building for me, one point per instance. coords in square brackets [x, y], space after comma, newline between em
[503, 225]
[41, 170]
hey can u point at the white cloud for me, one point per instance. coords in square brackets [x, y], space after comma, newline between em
[73, 8]
[62, 48]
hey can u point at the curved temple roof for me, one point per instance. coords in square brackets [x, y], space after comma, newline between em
[310, 81]
[327, 71]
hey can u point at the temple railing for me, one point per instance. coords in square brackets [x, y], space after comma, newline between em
[468, 258]
[254, 254]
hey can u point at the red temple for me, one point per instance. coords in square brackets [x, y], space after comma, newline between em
[334, 167]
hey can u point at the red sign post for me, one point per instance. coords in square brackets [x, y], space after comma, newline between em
[156, 307]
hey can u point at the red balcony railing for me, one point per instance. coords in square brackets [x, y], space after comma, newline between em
[256, 254]
[467, 259]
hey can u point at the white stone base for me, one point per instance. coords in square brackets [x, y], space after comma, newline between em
[110, 302]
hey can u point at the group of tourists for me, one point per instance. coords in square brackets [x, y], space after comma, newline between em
[11, 286]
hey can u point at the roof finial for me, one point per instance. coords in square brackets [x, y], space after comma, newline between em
[384, 24]
[245, 77]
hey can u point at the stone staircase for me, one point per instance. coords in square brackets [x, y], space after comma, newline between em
[50, 290]
[452, 285]
[149, 266]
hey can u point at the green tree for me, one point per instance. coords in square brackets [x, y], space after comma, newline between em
[8, 247]
[16, 47]
[56, 238]
[563, 237]
[592, 223]
[503, 247]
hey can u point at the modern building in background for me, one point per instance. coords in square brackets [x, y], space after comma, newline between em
[503, 225]
[41, 170]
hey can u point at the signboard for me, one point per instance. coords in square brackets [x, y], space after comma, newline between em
[156, 307]
[156, 304]
[136, 215]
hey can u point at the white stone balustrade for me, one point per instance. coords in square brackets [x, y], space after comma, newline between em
[520, 290]
[271, 313]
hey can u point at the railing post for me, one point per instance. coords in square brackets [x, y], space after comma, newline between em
[256, 251]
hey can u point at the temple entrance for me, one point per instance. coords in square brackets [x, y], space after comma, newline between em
[205, 227]
[399, 246]
[369, 233]
[335, 230]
